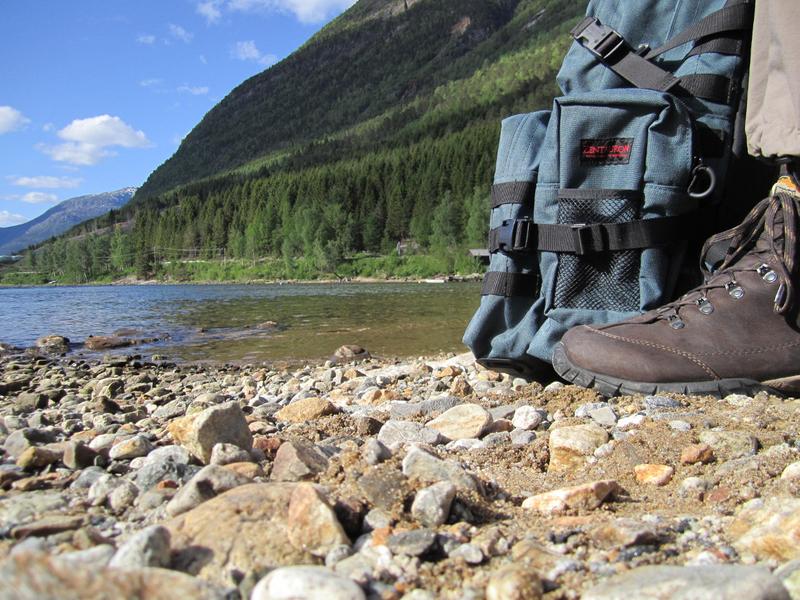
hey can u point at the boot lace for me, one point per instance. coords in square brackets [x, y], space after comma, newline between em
[776, 215]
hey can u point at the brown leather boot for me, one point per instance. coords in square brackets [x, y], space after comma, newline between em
[737, 333]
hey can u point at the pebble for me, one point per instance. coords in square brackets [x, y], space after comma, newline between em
[412, 543]
[521, 437]
[527, 418]
[657, 475]
[630, 422]
[225, 454]
[150, 547]
[133, 447]
[464, 421]
[587, 496]
[306, 583]
[374, 452]
[395, 434]
[199, 432]
[697, 453]
[209, 482]
[426, 467]
[570, 445]
[431, 506]
[470, 553]
[791, 472]
[298, 460]
[306, 409]
[514, 582]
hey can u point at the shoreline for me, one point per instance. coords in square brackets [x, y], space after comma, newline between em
[422, 478]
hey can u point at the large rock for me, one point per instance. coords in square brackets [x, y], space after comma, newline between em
[306, 409]
[313, 526]
[464, 421]
[53, 344]
[721, 582]
[580, 497]
[30, 576]
[768, 529]
[306, 583]
[199, 432]
[209, 482]
[241, 531]
[571, 445]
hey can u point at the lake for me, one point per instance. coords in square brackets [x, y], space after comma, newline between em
[220, 322]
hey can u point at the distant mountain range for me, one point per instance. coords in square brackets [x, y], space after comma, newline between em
[61, 218]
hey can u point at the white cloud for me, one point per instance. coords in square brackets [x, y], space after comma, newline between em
[248, 50]
[150, 82]
[47, 127]
[7, 219]
[147, 39]
[39, 198]
[87, 141]
[47, 182]
[11, 119]
[193, 90]
[210, 10]
[203, 59]
[179, 33]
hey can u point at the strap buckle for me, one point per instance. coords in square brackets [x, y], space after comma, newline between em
[601, 40]
[582, 238]
[515, 235]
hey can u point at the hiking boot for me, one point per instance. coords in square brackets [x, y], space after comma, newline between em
[737, 333]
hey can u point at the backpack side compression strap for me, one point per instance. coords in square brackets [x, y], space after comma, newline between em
[498, 283]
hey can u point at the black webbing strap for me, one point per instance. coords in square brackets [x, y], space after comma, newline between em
[735, 17]
[709, 86]
[510, 284]
[514, 192]
[725, 45]
[522, 235]
[613, 51]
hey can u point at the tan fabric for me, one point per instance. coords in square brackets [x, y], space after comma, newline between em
[772, 122]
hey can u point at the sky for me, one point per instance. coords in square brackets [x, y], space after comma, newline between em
[95, 94]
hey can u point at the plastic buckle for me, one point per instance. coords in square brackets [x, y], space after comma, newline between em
[601, 40]
[514, 235]
[582, 238]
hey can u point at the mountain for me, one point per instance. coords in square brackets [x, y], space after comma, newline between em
[61, 218]
[382, 127]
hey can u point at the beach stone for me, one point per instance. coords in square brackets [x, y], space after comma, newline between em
[165, 463]
[38, 457]
[624, 533]
[87, 478]
[312, 523]
[306, 583]
[789, 574]
[149, 547]
[96, 556]
[249, 470]
[464, 421]
[395, 434]
[791, 472]
[383, 486]
[29, 401]
[514, 582]
[694, 487]
[306, 409]
[374, 452]
[209, 482]
[47, 526]
[571, 445]
[653, 474]
[53, 344]
[122, 496]
[521, 437]
[527, 418]
[697, 453]
[20, 440]
[730, 445]
[298, 460]
[431, 505]
[412, 543]
[224, 423]
[426, 467]
[350, 352]
[253, 518]
[133, 447]
[587, 496]
[78, 455]
[469, 553]
[224, 454]
[438, 404]
[630, 422]
[768, 529]
[721, 582]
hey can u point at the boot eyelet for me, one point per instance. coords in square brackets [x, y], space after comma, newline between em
[704, 306]
[767, 274]
[734, 290]
[676, 323]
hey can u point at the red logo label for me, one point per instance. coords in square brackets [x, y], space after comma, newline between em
[608, 151]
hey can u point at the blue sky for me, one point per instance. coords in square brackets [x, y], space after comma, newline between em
[95, 94]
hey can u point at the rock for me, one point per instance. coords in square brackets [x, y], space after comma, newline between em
[312, 523]
[254, 519]
[571, 445]
[791, 472]
[431, 505]
[412, 543]
[527, 418]
[768, 529]
[20, 440]
[53, 344]
[147, 548]
[78, 455]
[624, 533]
[34, 575]
[437, 405]
[521, 437]
[224, 423]
[514, 582]
[249, 470]
[694, 487]
[730, 445]
[37, 457]
[122, 496]
[162, 464]
[209, 482]
[395, 434]
[307, 409]
[374, 452]
[133, 447]
[464, 421]
[306, 583]
[789, 574]
[721, 582]
[469, 553]
[428, 468]
[383, 486]
[349, 353]
[582, 497]
[96, 556]
[660, 403]
[46, 526]
[225, 454]
[107, 342]
[298, 460]
[654, 474]
[697, 453]
[29, 401]
[630, 422]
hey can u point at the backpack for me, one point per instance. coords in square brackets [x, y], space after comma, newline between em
[597, 205]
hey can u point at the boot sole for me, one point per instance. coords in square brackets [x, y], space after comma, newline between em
[611, 386]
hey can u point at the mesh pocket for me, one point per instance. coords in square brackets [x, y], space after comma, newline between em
[602, 280]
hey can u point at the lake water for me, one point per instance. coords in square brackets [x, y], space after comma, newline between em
[219, 322]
